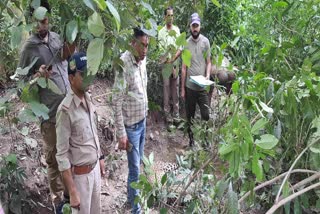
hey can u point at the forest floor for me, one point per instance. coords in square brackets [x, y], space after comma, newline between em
[164, 144]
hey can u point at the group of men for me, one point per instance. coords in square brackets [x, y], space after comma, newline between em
[73, 155]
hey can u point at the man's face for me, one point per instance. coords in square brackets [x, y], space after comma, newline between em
[76, 81]
[141, 44]
[195, 30]
[169, 17]
[43, 27]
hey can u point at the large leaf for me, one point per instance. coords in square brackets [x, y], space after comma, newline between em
[35, 3]
[42, 82]
[95, 25]
[267, 141]
[72, 31]
[115, 14]
[181, 40]
[40, 110]
[40, 13]
[148, 7]
[186, 57]
[258, 126]
[25, 71]
[94, 55]
[27, 116]
[53, 87]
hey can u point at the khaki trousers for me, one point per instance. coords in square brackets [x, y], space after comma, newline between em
[171, 90]
[89, 189]
[48, 131]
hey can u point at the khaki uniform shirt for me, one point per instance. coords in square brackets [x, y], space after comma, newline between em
[77, 137]
[130, 100]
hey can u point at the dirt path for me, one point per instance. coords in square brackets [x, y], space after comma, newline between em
[165, 145]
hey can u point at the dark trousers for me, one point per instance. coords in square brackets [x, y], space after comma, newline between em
[192, 99]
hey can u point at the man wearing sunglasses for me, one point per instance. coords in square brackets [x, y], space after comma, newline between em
[78, 149]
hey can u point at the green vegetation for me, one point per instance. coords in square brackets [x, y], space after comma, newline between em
[269, 125]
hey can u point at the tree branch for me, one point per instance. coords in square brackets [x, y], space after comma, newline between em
[291, 197]
[273, 181]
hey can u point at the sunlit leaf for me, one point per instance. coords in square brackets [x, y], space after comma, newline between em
[35, 3]
[42, 82]
[186, 57]
[95, 24]
[27, 116]
[267, 141]
[181, 40]
[148, 7]
[11, 158]
[25, 70]
[216, 3]
[232, 201]
[115, 14]
[279, 4]
[101, 4]
[265, 107]
[94, 55]
[72, 31]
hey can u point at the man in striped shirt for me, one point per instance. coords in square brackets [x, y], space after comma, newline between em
[130, 106]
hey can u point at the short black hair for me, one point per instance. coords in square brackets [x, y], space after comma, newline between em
[43, 3]
[166, 10]
[137, 32]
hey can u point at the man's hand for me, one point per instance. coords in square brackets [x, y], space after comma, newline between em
[75, 199]
[102, 168]
[183, 93]
[123, 143]
[43, 72]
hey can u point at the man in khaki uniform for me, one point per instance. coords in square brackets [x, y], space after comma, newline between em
[78, 150]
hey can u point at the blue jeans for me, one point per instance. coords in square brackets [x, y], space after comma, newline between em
[136, 136]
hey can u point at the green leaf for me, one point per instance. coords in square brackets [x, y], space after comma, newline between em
[164, 179]
[24, 131]
[297, 207]
[25, 70]
[53, 87]
[40, 13]
[216, 3]
[27, 116]
[136, 200]
[90, 4]
[258, 126]
[315, 150]
[265, 107]
[235, 87]
[232, 201]
[280, 4]
[186, 57]
[72, 31]
[267, 141]
[101, 4]
[167, 70]
[42, 82]
[181, 40]
[148, 7]
[257, 167]
[40, 110]
[163, 211]
[115, 14]
[66, 209]
[95, 24]
[227, 148]
[11, 158]
[94, 55]
[16, 37]
[35, 3]
[151, 158]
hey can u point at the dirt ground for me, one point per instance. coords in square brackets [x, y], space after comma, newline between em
[164, 144]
